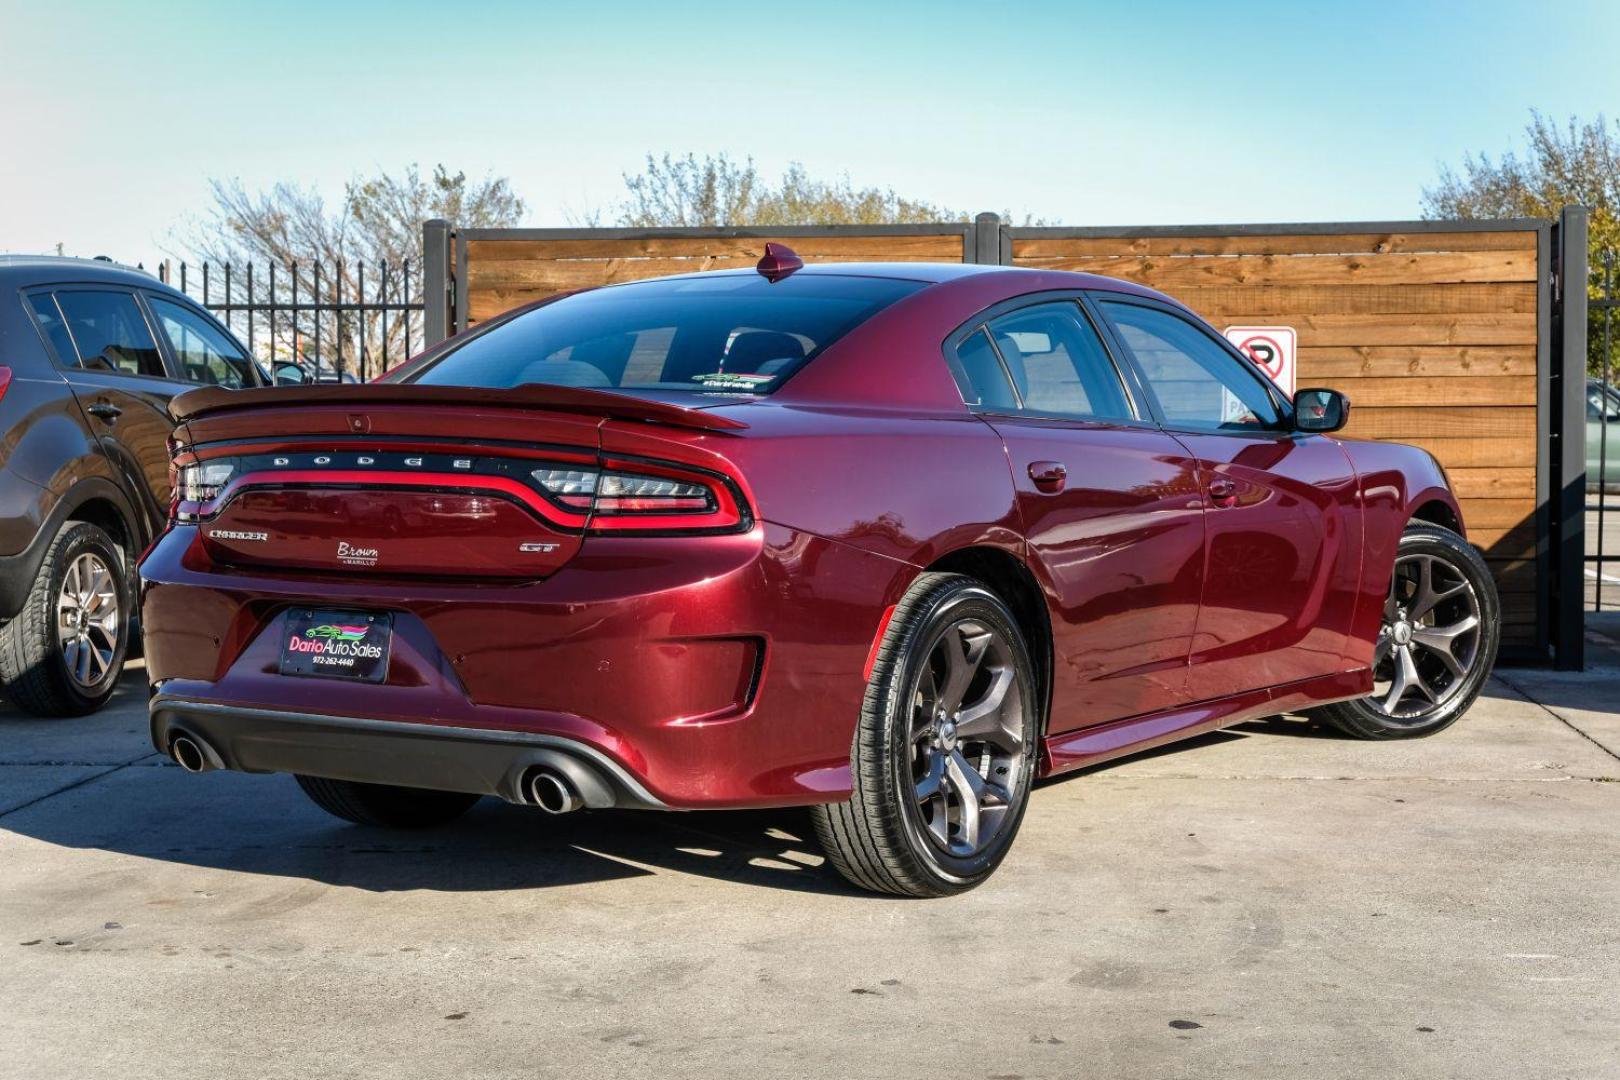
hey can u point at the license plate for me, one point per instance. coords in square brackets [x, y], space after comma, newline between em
[336, 644]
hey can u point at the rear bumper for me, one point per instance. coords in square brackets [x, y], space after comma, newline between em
[720, 671]
[390, 752]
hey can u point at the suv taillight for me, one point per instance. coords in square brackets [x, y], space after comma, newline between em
[5, 379]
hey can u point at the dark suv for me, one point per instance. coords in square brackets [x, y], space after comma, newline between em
[90, 354]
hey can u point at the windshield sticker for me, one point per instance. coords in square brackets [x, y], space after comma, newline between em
[725, 380]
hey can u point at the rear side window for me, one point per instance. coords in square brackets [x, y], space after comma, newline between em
[728, 333]
[109, 333]
[204, 355]
[1059, 364]
[980, 376]
[50, 321]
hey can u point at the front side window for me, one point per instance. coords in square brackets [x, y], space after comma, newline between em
[1058, 363]
[730, 333]
[1198, 384]
[202, 354]
[108, 332]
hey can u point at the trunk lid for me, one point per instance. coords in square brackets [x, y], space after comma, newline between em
[384, 479]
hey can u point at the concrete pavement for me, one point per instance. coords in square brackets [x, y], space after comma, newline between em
[1268, 902]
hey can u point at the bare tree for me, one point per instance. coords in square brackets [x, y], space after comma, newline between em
[369, 243]
[717, 190]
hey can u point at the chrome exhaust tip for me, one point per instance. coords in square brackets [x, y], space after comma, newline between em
[188, 754]
[553, 792]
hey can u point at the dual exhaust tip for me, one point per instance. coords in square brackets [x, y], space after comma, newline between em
[188, 753]
[549, 789]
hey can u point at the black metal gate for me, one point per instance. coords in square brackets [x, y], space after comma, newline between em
[335, 321]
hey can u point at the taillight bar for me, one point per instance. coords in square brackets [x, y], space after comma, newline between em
[571, 492]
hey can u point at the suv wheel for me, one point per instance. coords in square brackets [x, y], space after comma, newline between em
[63, 653]
[945, 750]
[1442, 622]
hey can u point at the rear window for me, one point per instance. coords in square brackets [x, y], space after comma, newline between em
[712, 334]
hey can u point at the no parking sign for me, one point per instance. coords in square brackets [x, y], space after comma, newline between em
[1272, 348]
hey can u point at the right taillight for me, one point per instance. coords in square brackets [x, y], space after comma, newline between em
[644, 497]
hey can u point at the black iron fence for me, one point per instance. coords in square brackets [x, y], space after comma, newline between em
[334, 321]
[1602, 443]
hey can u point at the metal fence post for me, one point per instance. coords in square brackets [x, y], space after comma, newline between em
[437, 295]
[1569, 460]
[987, 238]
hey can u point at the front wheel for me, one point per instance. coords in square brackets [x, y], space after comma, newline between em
[1437, 644]
[945, 750]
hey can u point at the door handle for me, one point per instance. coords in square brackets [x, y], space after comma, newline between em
[1222, 492]
[105, 410]
[1049, 476]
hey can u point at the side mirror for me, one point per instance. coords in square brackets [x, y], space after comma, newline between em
[289, 375]
[1319, 410]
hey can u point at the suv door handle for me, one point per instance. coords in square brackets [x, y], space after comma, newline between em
[1049, 476]
[1222, 492]
[105, 410]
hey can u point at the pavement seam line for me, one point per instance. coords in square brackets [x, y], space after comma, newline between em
[1550, 711]
[92, 778]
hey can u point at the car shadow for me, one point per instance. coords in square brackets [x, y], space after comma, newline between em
[264, 825]
[127, 800]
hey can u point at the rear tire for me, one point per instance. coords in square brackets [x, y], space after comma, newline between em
[63, 652]
[944, 753]
[386, 805]
[1442, 624]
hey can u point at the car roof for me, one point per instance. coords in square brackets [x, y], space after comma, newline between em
[21, 271]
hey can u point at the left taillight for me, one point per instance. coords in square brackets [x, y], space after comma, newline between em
[5, 379]
[196, 484]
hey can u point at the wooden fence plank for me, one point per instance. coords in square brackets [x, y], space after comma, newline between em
[1463, 453]
[1493, 298]
[1366, 330]
[1495, 423]
[1405, 390]
[1501, 483]
[1389, 361]
[1513, 575]
[938, 247]
[1044, 247]
[1172, 272]
[1497, 513]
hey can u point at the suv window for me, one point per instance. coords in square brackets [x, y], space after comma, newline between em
[50, 321]
[1058, 363]
[109, 333]
[202, 354]
[1197, 383]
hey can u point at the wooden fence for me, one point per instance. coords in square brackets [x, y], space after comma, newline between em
[1432, 334]
[1440, 333]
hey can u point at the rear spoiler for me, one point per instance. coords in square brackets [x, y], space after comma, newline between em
[211, 400]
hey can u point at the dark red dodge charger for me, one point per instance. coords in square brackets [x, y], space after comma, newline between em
[892, 541]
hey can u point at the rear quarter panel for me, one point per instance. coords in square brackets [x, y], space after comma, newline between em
[909, 487]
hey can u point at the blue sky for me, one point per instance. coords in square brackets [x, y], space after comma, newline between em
[114, 116]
